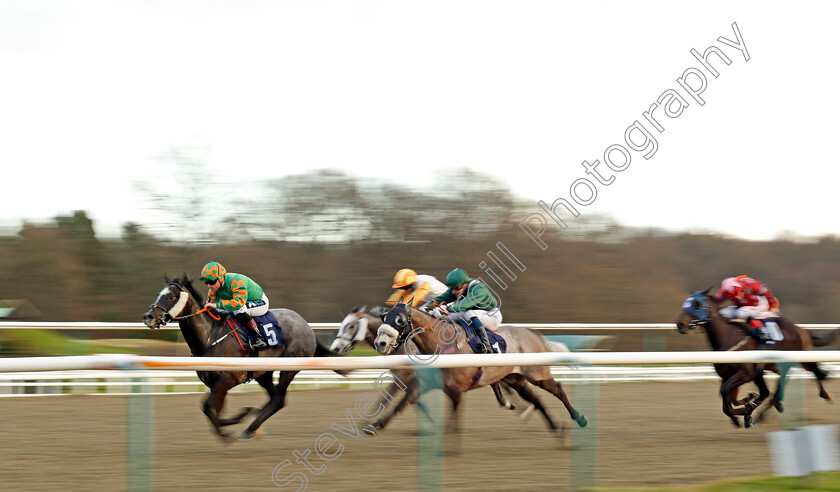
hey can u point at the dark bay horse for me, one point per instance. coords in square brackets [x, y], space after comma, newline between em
[207, 337]
[701, 310]
[431, 335]
[360, 325]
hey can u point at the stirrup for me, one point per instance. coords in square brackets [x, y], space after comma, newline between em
[257, 343]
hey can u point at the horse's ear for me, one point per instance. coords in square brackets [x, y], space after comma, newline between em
[410, 302]
[165, 278]
[708, 291]
[363, 309]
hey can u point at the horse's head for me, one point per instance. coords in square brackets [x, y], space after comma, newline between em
[170, 303]
[395, 329]
[697, 310]
[353, 329]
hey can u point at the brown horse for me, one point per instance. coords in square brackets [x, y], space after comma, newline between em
[700, 310]
[360, 325]
[432, 335]
[207, 337]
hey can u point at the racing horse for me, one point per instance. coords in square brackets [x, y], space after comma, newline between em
[209, 336]
[361, 325]
[434, 335]
[701, 310]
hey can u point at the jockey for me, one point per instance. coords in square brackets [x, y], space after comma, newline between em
[236, 294]
[751, 300]
[421, 288]
[471, 301]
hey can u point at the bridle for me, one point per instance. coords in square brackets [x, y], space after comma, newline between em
[698, 307]
[172, 314]
[361, 325]
[406, 328]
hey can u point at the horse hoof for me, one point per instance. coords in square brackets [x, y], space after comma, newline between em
[247, 436]
[779, 406]
[370, 429]
[510, 406]
[582, 421]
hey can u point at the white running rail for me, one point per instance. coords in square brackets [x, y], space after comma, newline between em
[119, 373]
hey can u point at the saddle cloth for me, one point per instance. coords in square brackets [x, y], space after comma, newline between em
[765, 330]
[269, 328]
[498, 343]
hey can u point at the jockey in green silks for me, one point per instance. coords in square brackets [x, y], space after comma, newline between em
[470, 300]
[236, 294]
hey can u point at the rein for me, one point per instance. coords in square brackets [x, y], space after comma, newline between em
[205, 309]
[410, 328]
[698, 323]
[739, 344]
[181, 304]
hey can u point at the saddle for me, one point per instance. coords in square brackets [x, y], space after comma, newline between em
[268, 326]
[497, 343]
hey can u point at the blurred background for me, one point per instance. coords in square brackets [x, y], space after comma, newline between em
[326, 241]
[321, 146]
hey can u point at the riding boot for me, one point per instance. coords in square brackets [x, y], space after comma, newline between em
[248, 323]
[754, 327]
[482, 335]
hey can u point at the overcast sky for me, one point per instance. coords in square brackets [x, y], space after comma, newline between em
[93, 91]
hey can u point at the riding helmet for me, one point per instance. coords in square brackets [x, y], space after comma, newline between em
[404, 278]
[456, 278]
[212, 271]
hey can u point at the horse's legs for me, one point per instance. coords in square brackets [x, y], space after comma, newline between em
[497, 390]
[820, 374]
[265, 381]
[454, 394]
[555, 389]
[410, 396]
[454, 429]
[728, 393]
[215, 400]
[763, 393]
[277, 398]
[743, 401]
[518, 383]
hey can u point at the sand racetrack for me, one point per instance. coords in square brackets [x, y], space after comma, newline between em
[645, 434]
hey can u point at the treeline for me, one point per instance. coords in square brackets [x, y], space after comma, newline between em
[321, 252]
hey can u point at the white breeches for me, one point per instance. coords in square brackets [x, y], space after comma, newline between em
[490, 319]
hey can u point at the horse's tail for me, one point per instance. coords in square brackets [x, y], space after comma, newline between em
[824, 337]
[321, 350]
[550, 345]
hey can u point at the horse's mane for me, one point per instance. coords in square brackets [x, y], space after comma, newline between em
[186, 282]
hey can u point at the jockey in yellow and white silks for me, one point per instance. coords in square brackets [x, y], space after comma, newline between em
[421, 289]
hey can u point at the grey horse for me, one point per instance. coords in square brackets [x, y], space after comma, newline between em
[209, 337]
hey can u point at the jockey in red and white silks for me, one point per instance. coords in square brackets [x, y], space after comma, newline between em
[751, 299]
